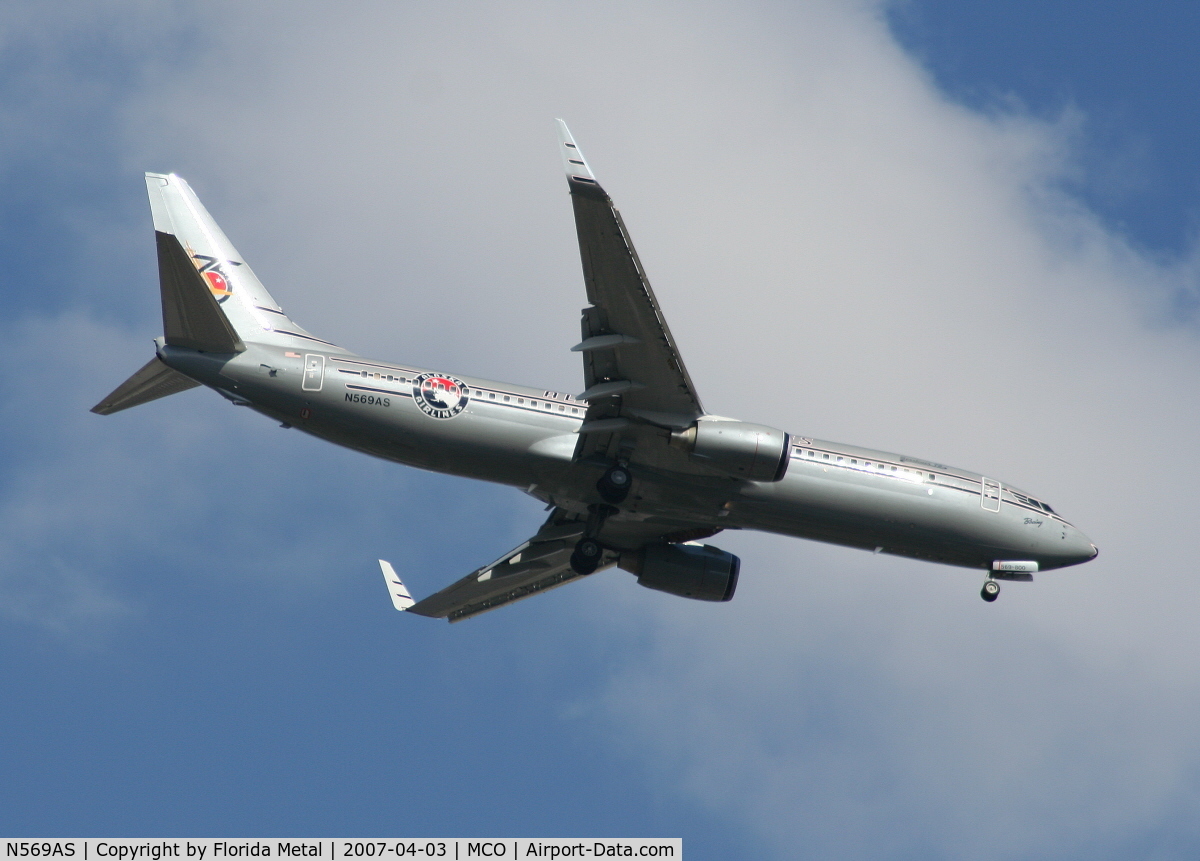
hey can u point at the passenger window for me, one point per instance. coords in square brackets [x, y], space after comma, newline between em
[491, 396]
[506, 399]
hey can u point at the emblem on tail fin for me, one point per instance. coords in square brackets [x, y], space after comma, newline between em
[218, 282]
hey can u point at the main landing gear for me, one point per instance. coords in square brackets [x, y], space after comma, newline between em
[587, 555]
[614, 485]
[990, 591]
[589, 552]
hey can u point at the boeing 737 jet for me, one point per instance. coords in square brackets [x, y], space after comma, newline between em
[633, 470]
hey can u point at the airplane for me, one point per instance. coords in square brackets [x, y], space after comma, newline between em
[633, 470]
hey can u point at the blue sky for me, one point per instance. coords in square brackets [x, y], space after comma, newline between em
[1121, 67]
[966, 234]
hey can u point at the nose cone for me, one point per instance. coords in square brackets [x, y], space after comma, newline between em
[1074, 549]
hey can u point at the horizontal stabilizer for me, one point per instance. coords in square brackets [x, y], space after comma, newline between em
[191, 316]
[155, 380]
[401, 600]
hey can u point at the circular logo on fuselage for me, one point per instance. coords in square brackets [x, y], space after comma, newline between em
[440, 396]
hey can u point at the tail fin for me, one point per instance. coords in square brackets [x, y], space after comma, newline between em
[211, 300]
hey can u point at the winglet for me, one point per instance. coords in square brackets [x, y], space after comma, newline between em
[579, 173]
[401, 600]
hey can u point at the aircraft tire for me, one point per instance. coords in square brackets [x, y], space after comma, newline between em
[990, 591]
[614, 485]
[586, 557]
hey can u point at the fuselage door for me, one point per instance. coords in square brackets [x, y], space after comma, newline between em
[314, 373]
[990, 499]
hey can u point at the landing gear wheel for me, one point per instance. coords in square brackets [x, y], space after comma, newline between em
[614, 485]
[586, 557]
[990, 591]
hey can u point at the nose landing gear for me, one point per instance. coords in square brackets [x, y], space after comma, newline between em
[990, 591]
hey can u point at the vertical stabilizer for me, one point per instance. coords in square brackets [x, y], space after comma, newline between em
[212, 299]
[178, 212]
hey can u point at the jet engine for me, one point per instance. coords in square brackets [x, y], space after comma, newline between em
[741, 449]
[696, 571]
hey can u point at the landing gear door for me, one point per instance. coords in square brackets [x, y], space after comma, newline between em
[314, 373]
[990, 499]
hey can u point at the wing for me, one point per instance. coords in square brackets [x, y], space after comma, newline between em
[541, 563]
[636, 388]
[632, 369]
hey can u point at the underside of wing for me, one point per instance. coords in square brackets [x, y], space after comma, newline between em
[541, 563]
[632, 368]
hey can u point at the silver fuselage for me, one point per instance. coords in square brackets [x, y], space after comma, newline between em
[526, 438]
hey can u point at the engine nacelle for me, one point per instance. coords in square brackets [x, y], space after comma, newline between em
[741, 449]
[696, 571]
